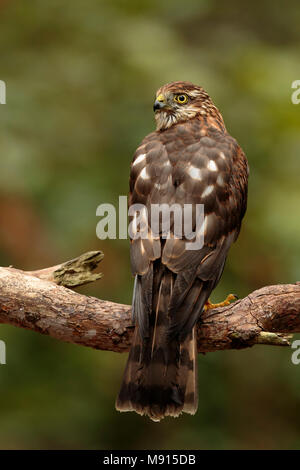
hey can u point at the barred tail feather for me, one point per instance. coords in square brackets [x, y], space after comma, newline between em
[160, 377]
[191, 389]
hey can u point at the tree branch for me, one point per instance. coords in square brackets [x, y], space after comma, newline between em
[38, 301]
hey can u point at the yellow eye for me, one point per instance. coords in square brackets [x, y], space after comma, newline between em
[181, 99]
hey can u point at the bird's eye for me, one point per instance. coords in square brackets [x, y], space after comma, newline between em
[181, 99]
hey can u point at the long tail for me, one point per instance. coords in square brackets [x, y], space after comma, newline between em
[160, 377]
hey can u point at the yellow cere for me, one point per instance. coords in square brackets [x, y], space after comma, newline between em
[160, 98]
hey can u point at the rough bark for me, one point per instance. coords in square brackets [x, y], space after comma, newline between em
[38, 301]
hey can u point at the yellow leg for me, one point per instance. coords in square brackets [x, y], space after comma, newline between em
[208, 305]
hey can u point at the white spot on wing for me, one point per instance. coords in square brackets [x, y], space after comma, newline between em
[208, 190]
[222, 155]
[144, 174]
[194, 172]
[139, 159]
[212, 166]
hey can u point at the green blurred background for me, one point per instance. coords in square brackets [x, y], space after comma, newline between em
[81, 77]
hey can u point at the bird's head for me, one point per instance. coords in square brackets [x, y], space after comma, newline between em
[180, 101]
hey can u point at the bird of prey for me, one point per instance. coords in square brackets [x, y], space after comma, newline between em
[189, 159]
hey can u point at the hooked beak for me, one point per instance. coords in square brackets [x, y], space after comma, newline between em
[159, 103]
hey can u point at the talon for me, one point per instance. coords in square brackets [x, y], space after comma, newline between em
[209, 305]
